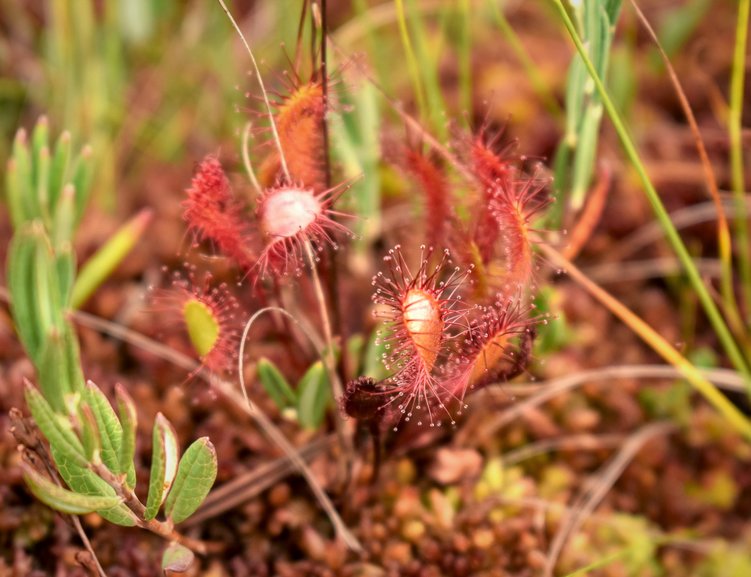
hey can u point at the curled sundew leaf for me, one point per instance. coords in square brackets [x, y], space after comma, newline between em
[163, 465]
[195, 476]
[62, 499]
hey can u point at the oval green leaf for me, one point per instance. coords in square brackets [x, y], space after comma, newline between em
[275, 385]
[163, 465]
[195, 476]
[55, 428]
[177, 558]
[64, 500]
[315, 394]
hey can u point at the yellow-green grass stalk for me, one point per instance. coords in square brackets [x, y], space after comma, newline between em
[712, 311]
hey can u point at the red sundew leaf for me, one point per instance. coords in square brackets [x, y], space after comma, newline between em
[213, 214]
[422, 311]
[437, 194]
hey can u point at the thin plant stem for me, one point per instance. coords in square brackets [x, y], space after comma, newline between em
[465, 54]
[659, 344]
[269, 110]
[87, 544]
[325, 93]
[334, 270]
[330, 362]
[409, 52]
[246, 159]
[725, 379]
[243, 340]
[710, 308]
[536, 79]
[724, 239]
[323, 309]
[736, 151]
[591, 496]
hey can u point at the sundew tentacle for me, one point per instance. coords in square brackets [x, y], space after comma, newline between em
[514, 208]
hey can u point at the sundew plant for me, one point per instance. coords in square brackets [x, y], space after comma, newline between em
[402, 294]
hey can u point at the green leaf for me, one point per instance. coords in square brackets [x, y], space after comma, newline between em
[59, 368]
[42, 170]
[314, 396]
[177, 558]
[275, 385]
[66, 272]
[62, 499]
[48, 300]
[110, 430]
[18, 181]
[53, 379]
[84, 481]
[126, 408]
[56, 428]
[202, 324]
[82, 175]
[90, 435]
[358, 150]
[59, 170]
[163, 465]
[195, 476]
[40, 138]
[72, 362]
[26, 207]
[22, 287]
[63, 222]
[99, 267]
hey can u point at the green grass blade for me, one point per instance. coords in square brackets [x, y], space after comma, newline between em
[414, 70]
[743, 242]
[710, 308]
[96, 270]
[535, 76]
